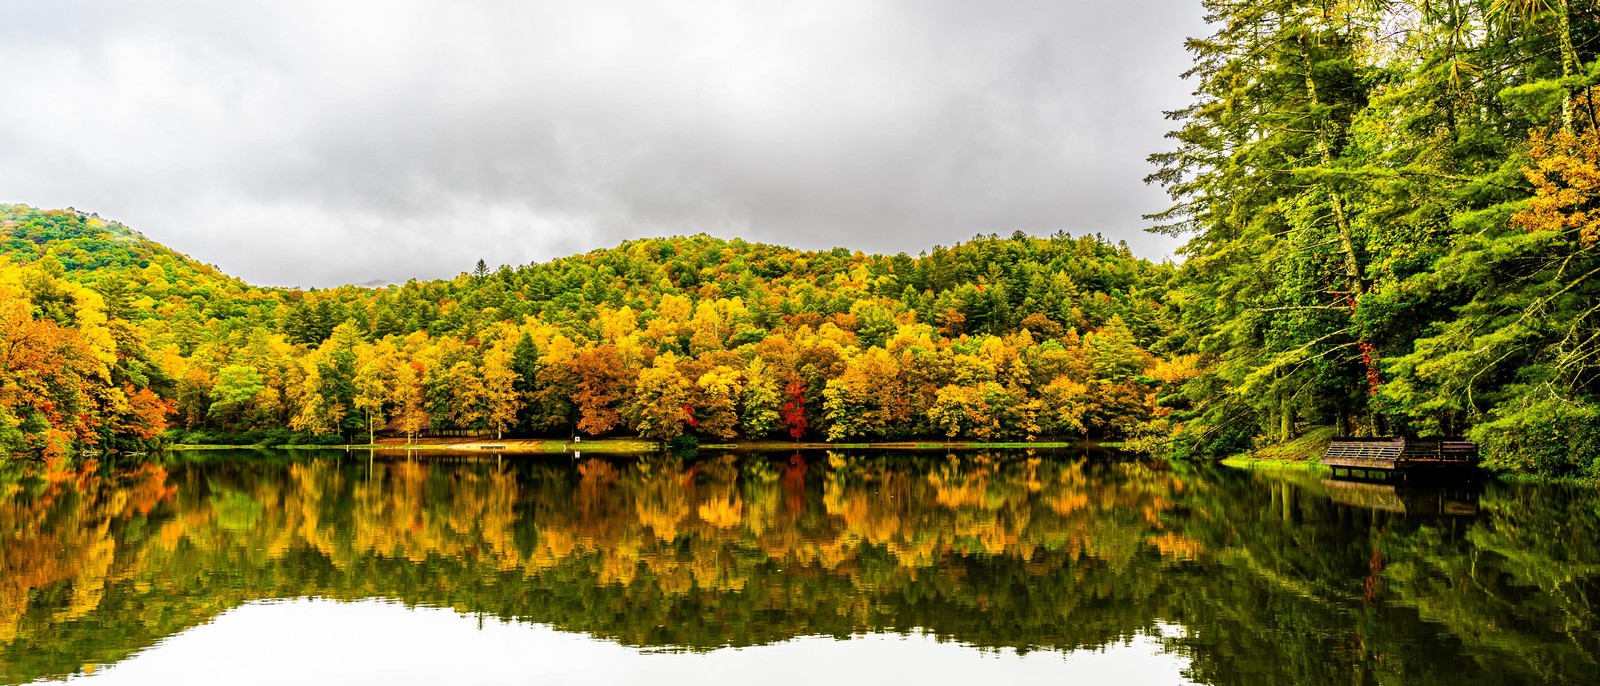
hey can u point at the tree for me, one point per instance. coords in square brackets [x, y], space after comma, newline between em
[1064, 404]
[867, 399]
[373, 383]
[411, 417]
[525, 365]
[759, 402]
[1113, 353]
[1522, 354]
[659, 409]
[794, 408]
[1530, 12]
[47, 374]
[718, 411]
[501, 400]
[551, 405]
[317, 414]
[236, 386]
[337, 371]
[602, 383]
[957, 410]
[1276, 263]
[876, 324]
[706, 330]
[469, 407]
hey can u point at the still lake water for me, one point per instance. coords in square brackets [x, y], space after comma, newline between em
[280, 567]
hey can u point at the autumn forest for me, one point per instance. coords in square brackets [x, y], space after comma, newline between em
[1392, 222]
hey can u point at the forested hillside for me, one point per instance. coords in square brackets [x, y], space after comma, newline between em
[112, 339]
[1393, 213]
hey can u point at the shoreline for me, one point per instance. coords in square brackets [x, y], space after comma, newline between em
[636, 446]
[1303, 455]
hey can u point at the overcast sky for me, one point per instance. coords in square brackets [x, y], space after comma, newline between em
[314, 143]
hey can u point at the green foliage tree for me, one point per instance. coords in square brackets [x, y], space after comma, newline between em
[236, 386]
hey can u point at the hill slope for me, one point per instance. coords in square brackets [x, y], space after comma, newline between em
[994, 338]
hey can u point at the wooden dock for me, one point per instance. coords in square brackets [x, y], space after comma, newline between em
[1389, 456]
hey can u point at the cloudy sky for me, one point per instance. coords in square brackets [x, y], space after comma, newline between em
[312, 143]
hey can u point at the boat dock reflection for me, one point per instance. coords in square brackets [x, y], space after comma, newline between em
[1426, 501]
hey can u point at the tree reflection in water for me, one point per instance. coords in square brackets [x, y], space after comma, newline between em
[1275, 579]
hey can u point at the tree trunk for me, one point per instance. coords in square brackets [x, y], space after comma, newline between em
[1286, 424]
[1352, 265]
[1347, 246]
[1569, 63]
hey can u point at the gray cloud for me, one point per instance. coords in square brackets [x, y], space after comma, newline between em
[312, 143]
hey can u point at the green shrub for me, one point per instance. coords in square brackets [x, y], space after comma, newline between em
[684, 443]
[1552, 436]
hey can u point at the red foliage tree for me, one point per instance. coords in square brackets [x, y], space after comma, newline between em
[794, 410]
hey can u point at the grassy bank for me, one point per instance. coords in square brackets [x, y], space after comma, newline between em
[1300, 454]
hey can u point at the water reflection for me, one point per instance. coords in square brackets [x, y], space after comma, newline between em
[1430, 501]
[1275, 580]
[248, 645]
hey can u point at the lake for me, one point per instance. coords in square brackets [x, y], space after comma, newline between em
[832, 567]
